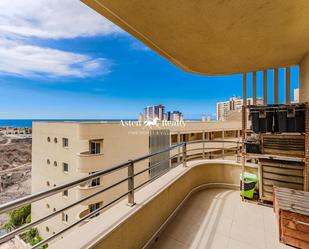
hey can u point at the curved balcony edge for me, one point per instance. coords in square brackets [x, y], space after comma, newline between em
[87, 162]
[84, 191]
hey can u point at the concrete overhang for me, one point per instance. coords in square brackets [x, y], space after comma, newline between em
[216, 37]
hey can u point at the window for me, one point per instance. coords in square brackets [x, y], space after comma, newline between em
[65, 167]
[55, 140]
[48, 161]
[47, 206]
[55, 163]
[48, 139]
[65, 193]
[65, 217]
[94, 207]
[47, 229]
[95, 147]
[65, 142]
[94, 182]
[47, 184]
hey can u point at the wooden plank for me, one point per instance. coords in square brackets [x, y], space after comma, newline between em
[269, 182]
[303, 227]
[288, 179]
[282, 164]
[281, 152]
[275, 157]
[294, 216]
[295, 234]
[267, 196]
[295, 242]
[283, 171]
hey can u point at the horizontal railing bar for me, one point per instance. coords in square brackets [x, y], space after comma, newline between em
[41, 195]
[212, 141]
[44, 194]
[156, 153]
[206, 149]
[43, 242]
[19, 230]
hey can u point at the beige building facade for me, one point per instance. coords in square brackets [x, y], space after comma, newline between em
[234, 104]
[64, 151]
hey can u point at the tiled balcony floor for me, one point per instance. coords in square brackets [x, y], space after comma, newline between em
[217, 219]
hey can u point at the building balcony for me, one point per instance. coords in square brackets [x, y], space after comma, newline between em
[83, 213]
[88, 162]
[198, 206]
[84, 191]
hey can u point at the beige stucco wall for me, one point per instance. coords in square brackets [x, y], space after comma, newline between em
[118, 146]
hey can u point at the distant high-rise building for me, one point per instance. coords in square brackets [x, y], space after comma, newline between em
[152, 112]
[141, 117]
[169, 116]
[233, 104]
[206, 118]
[177, 116]
[296, 95]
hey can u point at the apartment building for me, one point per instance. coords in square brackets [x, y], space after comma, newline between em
[64, 151]
[296, 95]
[152, 112]
[233, 104]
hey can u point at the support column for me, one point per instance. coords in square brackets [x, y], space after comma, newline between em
[254, 88]
[276, 89]
[265, 100]
[304, 80]
[287, 85]
[244, 89]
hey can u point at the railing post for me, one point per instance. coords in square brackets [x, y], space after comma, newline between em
[131, 183]
[184, 154]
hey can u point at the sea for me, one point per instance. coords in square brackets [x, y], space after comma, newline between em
[27, 123]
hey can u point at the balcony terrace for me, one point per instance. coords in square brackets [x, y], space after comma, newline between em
[89, 162]
[216, 218]
[197, 206]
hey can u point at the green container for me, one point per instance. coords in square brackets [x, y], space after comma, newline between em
[250, 182]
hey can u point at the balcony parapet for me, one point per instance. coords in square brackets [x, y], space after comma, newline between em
[84, 191]
[119, 224]
[88, 162]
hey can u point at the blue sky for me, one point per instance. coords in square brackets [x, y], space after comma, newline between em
[94, 70]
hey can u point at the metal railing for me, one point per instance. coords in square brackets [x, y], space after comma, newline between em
[184, 155]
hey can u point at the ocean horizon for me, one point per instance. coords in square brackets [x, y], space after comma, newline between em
[27, 123]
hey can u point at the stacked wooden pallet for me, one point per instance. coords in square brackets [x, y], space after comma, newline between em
[279, 173]
[284, 144]
[292, 211]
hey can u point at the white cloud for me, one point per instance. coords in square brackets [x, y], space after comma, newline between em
[21, 21]
[136, 45]
[19, 58]
[53, 19]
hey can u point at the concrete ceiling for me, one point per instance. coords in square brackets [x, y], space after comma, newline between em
[216, 37]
